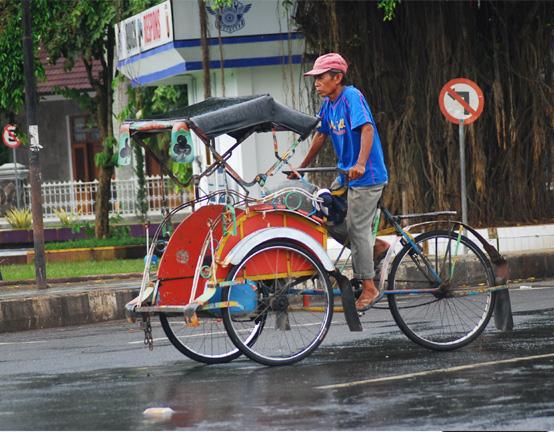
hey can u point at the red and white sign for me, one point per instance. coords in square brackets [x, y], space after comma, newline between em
[149, 29]
[9, 137]
[461, 99]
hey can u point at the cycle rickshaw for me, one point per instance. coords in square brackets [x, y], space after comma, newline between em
[252, 275]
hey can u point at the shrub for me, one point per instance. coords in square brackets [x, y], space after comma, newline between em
[19, 218]
[118, 231]
[87, 226]
[67, 219]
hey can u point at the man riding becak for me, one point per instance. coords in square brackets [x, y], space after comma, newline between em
[347, 120]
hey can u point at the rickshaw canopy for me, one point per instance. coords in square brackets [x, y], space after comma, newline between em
[238, 117]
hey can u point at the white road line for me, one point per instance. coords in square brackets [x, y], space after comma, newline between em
[434, 371]
[21, 343]
[530, 288]
[142, 341]
[218, 333]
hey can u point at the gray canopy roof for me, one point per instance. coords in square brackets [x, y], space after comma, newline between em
[240, 116]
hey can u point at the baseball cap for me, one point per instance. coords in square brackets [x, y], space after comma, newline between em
[327, 62]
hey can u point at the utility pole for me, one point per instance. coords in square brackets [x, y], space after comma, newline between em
[34, 146]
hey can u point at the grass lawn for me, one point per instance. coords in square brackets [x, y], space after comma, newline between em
[73, 269]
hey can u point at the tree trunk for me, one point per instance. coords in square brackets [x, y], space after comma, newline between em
[105, 124]
[400, 66]
[205, 48]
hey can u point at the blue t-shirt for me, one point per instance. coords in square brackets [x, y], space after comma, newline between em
[342, 120]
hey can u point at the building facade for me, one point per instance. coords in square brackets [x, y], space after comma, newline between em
[255, 42]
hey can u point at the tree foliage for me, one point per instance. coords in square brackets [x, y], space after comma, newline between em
[75, 30]
[12, 95]
[401, 65]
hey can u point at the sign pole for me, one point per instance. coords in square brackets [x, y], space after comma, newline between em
[463, 171]
[17, 191]
[34, 153]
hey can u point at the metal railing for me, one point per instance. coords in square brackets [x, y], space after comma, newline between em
[78, 197]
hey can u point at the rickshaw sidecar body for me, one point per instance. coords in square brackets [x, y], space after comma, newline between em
[188, 249]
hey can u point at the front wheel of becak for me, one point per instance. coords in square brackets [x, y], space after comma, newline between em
[459, 312]
[293, 301]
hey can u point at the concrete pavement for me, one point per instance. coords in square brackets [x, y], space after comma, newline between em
[87, 301]
[63, 304]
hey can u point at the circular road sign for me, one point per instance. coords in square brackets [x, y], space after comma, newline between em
[461, 99]
[9, 137]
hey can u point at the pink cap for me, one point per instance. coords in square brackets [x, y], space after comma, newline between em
[327, 62]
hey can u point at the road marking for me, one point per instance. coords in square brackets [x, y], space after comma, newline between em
[219, 333]
[21, 343]
[434, 371]
[531, 288]
[142, 341]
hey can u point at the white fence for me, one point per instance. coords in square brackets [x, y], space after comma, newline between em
[79, 197]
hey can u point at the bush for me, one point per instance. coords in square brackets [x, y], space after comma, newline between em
[68, 220]
[19, 218]
[88, 226]
[118, 231]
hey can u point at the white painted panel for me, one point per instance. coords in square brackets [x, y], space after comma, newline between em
[244, 18]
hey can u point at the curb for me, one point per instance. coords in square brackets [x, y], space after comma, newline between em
[76, 279]
[63, 310]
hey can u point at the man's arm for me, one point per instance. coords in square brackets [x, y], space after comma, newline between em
[317, 143]
[366, 142]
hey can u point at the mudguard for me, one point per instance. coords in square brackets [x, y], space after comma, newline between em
[241, 249]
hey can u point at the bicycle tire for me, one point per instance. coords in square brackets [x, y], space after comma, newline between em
[441, 322]
[285, 323]
[208, 343]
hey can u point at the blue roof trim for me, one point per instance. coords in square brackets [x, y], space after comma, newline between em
[195, 66]
[156, 76]
[211, 41]
[255, 61]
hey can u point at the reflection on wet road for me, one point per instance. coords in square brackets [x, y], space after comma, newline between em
[79, 378]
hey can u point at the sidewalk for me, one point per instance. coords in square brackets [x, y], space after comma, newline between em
[82, 302]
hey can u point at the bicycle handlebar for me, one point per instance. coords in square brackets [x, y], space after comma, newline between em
[316, 169]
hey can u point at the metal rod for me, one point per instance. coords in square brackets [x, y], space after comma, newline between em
[34, 153]
[463, 172]
[17, 191]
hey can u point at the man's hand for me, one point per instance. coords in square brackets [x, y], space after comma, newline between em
[356, 172]
[293, 176]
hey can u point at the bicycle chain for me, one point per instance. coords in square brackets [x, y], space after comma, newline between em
[148, 339]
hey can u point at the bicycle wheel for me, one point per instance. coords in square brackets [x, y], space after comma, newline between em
[206, 343]
[294, 303]
[448, 319]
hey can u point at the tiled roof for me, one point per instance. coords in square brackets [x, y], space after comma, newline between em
[76, 78]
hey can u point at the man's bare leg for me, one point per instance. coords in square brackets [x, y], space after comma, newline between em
[380, 247]
[369, 291]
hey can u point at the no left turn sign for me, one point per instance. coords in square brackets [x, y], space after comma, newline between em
[461, 99]
[9, 137]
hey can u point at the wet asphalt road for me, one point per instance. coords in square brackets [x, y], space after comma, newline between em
[100, 377]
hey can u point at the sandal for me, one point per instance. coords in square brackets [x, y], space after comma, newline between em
[363, 305]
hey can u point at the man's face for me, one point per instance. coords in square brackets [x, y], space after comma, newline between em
[327, 84]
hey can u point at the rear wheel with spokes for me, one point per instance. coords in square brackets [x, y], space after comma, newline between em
[448, 318]
[293, 302]
[206, 342]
